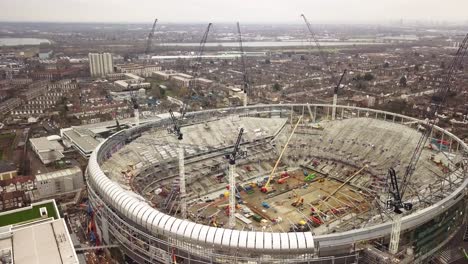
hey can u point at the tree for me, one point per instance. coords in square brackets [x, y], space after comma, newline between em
[267, 61]
[368, 76]
[403, 81]
[442, 65]
[276, 87]
[386, 65]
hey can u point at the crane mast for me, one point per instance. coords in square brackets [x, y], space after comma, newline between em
[335, 95]
[245, 79]
[149, 40]
[232, 157]
[183, 192]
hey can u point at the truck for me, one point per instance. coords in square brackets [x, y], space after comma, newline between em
[310, 177]
[257, 218]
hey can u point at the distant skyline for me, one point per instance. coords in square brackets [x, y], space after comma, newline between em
[246, 11]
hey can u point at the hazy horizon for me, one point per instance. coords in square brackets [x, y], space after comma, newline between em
[225, 11]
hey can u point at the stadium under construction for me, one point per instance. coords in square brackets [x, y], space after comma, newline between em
[286, 183]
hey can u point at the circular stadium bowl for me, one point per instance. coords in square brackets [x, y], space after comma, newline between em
[147, 235]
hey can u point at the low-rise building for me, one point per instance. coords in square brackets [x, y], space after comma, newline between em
[181, 81]
[8, 170]
[59, 182]
[48, 149]
[44, 239]
[83, 140]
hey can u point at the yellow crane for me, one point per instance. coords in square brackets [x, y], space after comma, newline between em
[267, 188]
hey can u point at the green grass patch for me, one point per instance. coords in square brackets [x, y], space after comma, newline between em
[7, 136]
[27, 215]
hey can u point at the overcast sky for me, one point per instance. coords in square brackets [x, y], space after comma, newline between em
[246, 11]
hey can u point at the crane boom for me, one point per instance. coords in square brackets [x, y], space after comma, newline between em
[317, 43]
[337, 87]
[267, 184]
[149, 41]
[201, 49]
[236, 153]
[244, 71]
[442, 92]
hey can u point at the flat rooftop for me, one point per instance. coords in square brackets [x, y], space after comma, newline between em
[28, 214]
[26, 237]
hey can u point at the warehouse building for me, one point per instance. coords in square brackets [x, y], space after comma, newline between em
[59, 182]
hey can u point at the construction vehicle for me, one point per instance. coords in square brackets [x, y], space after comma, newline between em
[267, 188]
[397, 190]
[316, 222]
[299, 201]
[310, 177]
[257, 218]
[283, 179]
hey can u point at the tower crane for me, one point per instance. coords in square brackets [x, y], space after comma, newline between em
[183, 192]
[324, 59]
[245, 79]
[149, 40]
[232, 157]
[397, 190]
[335, 94]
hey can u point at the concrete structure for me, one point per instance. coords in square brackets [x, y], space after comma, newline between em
[86, 138]
[132, 214]
[181, 81]
[140, 70]
[100, 64]
[7, 170]
[45, 54]
[47, 150]
[59, 182]
[35, 234]
[82, 140]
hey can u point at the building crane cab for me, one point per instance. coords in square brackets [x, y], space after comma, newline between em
[236, 153]
[176, 126]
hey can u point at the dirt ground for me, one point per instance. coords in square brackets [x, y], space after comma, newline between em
[281, 214]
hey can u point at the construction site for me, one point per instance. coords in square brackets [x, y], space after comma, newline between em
[307, 185]
[277, 183]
